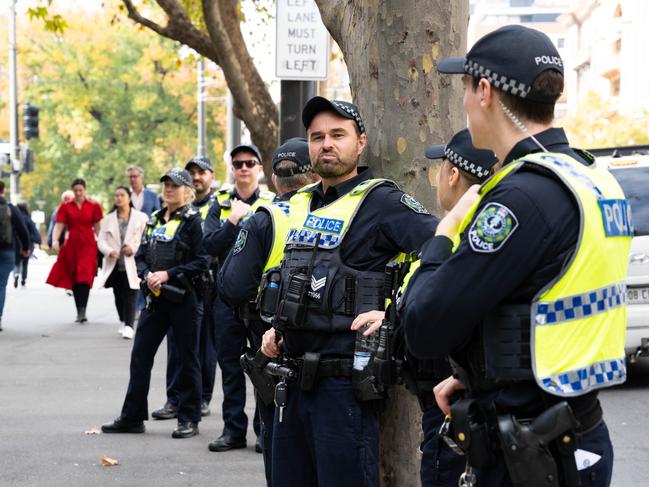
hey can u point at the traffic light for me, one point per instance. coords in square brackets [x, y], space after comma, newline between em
[30, 121]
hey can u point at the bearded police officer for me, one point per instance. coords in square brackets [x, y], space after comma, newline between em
[342, 233]
[224, 220]
[169, 261]
[462, 167]
[261, 250]
[530, 303]
[202, 174]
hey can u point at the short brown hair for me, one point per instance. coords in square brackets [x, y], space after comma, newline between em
[549, 83]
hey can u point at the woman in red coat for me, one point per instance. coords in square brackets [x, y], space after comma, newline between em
[76, 264]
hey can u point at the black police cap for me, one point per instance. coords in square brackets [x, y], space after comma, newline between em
[296, 150]
[319, 104]
[461, 153]
[511, 58]
[252, 148]
[201, 161]
[178, 176]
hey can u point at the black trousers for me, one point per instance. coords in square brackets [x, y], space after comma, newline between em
[152, 328]
[124, 296]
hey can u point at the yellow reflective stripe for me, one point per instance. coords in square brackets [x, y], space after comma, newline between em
[280, 223]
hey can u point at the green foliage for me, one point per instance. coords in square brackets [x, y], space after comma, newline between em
[597, 124]
[110, 96]
[53, 23]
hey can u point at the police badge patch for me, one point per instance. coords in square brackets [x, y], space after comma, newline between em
[413, 204]
[242, 238]
[491, 228]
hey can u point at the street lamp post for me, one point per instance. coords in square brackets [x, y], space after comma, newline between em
[13, 107]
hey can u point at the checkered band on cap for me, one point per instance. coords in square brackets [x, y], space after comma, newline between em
[352, 112]
[179, 174]
[464, 164]
[503, 83]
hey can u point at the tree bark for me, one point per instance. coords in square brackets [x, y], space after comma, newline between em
[391, 50]
[223, 44]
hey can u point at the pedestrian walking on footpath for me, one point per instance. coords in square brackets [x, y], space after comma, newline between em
[119, 238]
[76, 264]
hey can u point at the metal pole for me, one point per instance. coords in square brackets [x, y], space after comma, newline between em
[201, 107]
[234, 136]
[13, 108]
[294, 95]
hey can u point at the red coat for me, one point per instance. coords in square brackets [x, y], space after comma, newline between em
[77, 259]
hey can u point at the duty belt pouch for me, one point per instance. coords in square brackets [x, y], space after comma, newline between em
[309, 372]
[173, 294]
[471, 433]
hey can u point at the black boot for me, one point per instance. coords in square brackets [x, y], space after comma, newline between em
[81, 316]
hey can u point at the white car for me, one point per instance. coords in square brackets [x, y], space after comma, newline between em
[632, 172]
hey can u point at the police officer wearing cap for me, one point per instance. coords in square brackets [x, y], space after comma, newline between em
[222, 226]
[462, 166]
[202, 174]
[342, 234]
[523, 284]
[168, 261]
[261, 250]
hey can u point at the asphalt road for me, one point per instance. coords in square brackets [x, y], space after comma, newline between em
[59, 380]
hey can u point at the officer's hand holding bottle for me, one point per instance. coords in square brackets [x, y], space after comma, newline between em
[238, 211]
[450, 224]
[269, 346]
[371, 319]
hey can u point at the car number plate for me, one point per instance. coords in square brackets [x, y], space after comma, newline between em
[637, 295]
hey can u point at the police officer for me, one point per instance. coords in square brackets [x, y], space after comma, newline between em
[202, 174]
[261, 250]
[222, 227]
[168, 261]
[462, 166]
[343, 232]
[516, 304]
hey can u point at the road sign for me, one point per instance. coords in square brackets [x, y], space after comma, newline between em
[302, 44]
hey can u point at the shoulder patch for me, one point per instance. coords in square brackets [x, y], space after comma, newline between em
[239, 245]
[491, 228]
[413, 204]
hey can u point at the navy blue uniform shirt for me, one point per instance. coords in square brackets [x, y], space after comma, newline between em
[240, 274]
[383, 227]
[219, 237]
[451, 292]
[191, 234]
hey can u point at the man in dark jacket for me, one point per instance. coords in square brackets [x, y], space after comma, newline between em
[12, 227]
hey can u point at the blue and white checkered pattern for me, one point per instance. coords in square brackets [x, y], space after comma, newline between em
[285, 206]
[600, 374]
[581, 306]
[302, 236]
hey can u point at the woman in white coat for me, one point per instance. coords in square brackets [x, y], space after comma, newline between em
[119, 238]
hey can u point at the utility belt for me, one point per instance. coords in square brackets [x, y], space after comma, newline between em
[499, 353]
[538, 452]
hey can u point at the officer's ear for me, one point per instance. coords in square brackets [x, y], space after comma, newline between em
[486, 93]
[454, 177]
[362, 142]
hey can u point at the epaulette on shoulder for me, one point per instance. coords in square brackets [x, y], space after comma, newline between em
[267, 195]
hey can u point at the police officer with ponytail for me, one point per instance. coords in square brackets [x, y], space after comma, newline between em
[169, 261]
[529, 301]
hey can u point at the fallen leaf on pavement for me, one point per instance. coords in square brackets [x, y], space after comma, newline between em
[108, 462]
[93, 431]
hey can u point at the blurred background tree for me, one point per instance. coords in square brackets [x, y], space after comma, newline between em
[110, 96]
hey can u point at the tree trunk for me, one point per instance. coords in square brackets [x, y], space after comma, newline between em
[391, 50]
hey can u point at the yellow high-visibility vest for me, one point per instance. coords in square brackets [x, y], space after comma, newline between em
[578, 320]
[224, 197]
[278, 212]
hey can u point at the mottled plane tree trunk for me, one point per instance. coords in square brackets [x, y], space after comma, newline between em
[391, 49]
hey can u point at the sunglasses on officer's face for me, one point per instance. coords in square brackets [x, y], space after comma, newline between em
[250, 163]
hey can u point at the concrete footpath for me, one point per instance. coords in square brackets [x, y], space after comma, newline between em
[59, 379]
